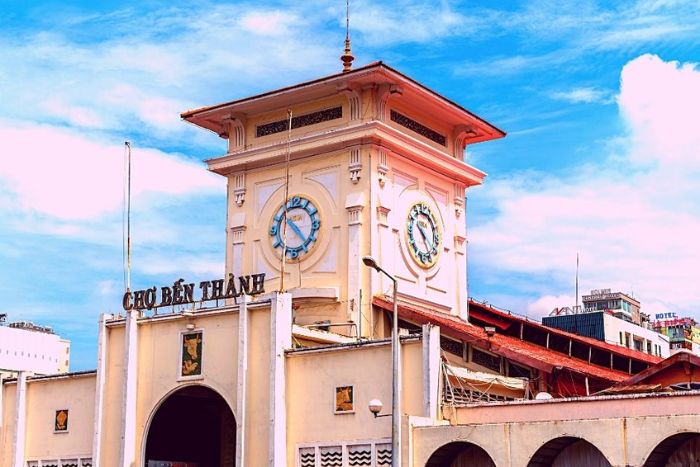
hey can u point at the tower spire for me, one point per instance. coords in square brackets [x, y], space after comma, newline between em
[347, 56]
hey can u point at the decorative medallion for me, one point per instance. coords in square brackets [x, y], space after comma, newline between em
[344, 399]
[191, 360]
[423, 235]
[60, 422]
[302, 223]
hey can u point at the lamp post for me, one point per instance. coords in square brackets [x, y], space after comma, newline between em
[396, 371]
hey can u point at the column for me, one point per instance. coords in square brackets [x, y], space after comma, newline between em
[128, 437]
[20, 420]
[354, 204]
[241, 390]
[99, 388]
[431, 370]
[280, 339]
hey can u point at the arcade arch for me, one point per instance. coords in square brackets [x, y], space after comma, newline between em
[679, 450]
[460, 454]
[193, 424]
[568, 450]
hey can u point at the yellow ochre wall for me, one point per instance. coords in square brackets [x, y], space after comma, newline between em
[44, 397]
[311, 381]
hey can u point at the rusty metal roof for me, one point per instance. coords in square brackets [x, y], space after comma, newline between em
[519, 351]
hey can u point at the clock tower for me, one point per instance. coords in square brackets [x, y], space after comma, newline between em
[320, 174]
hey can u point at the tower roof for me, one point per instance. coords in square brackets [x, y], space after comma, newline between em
[376, 73]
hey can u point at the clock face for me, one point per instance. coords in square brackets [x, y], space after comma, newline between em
[423, 235]
[302, 223]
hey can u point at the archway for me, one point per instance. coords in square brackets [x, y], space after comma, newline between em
[193, 426]
[566, 451]
[679, 450]
[460, 454]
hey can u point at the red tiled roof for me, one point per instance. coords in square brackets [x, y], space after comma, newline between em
[682, 357]
[523, 352]
[617, 349]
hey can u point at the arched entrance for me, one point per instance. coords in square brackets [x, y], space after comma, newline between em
[460, 454]
[679, 450]
[567, 451]
[193, 426]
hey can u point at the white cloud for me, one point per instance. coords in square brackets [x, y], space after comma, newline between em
[544, 305]
[268, 23]
[583, 95]
[198, 265]
[416, 21]
[154, 65]
[634, 219]
[69, 176]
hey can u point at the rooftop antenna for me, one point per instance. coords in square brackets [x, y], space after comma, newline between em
[286, 199]
[577, 310]
[127, 202]
[347, 56]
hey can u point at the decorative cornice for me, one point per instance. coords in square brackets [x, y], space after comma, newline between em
[362, 133]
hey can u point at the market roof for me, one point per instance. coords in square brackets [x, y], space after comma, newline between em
[501, 318]
[520, 351]
[689, 360]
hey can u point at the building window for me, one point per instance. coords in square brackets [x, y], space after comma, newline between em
[487, 360]
[453, 347]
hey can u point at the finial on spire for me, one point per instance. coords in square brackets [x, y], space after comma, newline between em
[347, 56]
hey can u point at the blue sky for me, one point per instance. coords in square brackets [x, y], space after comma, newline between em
[600, 101]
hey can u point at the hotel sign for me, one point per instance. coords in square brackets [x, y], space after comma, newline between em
[180, 293]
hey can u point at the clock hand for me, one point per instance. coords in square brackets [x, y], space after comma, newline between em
[428, 243]
[297, 231]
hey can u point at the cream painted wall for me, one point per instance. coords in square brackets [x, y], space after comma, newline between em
[113, 396]
[44, 398]
[311, 381]
[444, 284]
[339, 188]
[258, 395]
[7, 429]
[159, 362]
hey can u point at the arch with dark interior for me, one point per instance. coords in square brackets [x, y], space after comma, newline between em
[460, 454]
[568, 450]
[193, 426]
[678, 450]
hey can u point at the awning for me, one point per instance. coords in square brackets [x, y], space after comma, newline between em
[482, 381]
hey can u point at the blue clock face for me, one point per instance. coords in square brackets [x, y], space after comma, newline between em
[423, 235]
[302, 223]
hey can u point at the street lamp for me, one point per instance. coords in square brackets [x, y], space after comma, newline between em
[396, 372]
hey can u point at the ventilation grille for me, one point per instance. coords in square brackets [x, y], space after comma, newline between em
[298, 122]
[419, 128]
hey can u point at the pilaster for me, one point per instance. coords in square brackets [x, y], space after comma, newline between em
[242, 388]
[128, 435]
[102, 345]
[354, 204]
[280, 340]
[20, 420]
[431, 370]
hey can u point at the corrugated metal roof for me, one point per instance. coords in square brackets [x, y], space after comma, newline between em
[617, 349]
[519, 351]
